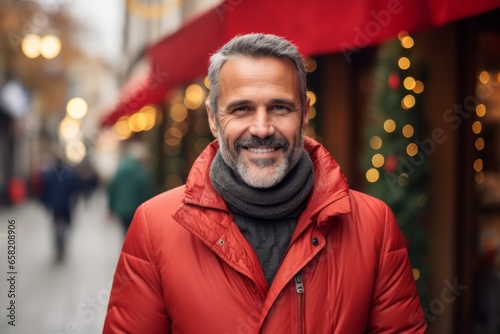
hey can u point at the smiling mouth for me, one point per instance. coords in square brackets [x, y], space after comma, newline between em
[262, 150]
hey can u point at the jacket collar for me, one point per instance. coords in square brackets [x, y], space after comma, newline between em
[328, 196]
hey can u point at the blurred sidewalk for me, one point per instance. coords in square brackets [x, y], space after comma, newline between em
[70, 297]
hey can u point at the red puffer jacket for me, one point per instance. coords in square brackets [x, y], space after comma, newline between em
[186, 268]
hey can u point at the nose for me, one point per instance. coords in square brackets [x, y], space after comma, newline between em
[262, 125]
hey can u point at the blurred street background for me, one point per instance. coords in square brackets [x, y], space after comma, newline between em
[68, 297]
[102, 107]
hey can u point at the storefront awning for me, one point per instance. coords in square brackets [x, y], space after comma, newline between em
[316, 27]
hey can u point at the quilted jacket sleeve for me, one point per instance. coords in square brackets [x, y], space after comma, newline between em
[136, 302]
[395, 305]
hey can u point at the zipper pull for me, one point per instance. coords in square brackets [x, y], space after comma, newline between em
[298, 283]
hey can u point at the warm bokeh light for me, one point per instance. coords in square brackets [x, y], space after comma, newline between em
[408, 131]
[194, 96]
[310, 64]
[178, 112]
[478, 165]
[389, 125]
[407, 42]
[372, 175]
[412, 149]
[312, 112]
[477, 127]
[419, 87]
[404, 63]
[173, 132]
[479, 144]
[375, 142]
[312, 97]
[50, 46]
[409, 83]
[378, 160]
[408, 101]
[479, 177]
[484, 77]
[122, 129]
[75, 151]
[77, 108]
[69, 129]
[416, 274]
[30, 46]
[480, 110]
[402, 34]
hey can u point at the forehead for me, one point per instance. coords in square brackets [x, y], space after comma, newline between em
[244, 73]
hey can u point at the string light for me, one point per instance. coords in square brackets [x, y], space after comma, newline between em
[480, 110]
[372, 175]
[389, 126]
[409, 83]
[375, 142]
[404, 63]
[408, 131]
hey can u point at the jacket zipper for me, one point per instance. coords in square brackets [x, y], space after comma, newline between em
[299, 286]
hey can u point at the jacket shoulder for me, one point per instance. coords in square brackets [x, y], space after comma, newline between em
[166, 201]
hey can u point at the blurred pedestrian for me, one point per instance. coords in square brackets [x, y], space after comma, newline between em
[130, 186]
[60, 186]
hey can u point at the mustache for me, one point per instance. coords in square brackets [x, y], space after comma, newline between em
[254, 141]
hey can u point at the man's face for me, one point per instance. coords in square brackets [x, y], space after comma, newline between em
[260, 124]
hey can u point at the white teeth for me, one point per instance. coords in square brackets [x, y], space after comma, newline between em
[261, 150]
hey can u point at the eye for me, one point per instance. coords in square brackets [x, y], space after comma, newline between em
[280, 108]
[241, 110]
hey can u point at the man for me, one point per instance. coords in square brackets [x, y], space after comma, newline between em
[265, 237]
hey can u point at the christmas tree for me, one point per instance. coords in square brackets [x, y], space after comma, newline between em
[396, 159]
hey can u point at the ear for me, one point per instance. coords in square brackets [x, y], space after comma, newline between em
[212, 122]
[305, 115]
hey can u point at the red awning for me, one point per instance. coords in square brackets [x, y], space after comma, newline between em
[316, 27]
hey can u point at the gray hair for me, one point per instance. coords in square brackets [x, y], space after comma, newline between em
[255, 46]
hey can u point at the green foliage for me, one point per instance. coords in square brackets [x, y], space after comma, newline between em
[402, 177]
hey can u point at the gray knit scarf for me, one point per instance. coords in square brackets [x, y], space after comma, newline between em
[266, 216]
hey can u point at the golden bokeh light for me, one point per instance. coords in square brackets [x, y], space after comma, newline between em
[194, 96]
[372, 175]
[378, 160]
[77, 108]
[375, 142]
[479, 144]
[30, 46]
[404, 63]
[479, 177]
[477, 127]
[310, 64]
[75, 151]
[121, 129]
[50, 46]
[478, 165]
[389, 126]
[409, 83]
[178, 112]
[416, 274]
[407, 42]
[69, 129]
[312, 112]
[408, 131]
[412, 149]
[312, 97]
[484, 77]
[408, 101]
[480, 110]
[419, 87]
